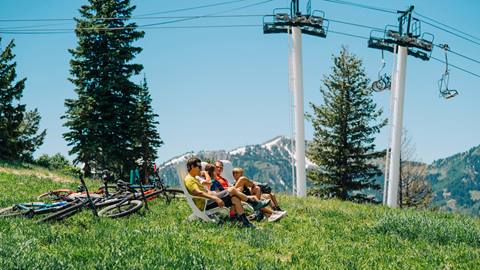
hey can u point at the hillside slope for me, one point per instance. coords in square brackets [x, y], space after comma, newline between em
[456, 182]
[315, 234]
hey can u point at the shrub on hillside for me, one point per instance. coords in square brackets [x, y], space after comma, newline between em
[57, 162]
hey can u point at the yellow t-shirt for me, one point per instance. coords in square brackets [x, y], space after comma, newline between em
[191, 183]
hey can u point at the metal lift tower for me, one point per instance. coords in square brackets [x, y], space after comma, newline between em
[405, 40]
[296, 23]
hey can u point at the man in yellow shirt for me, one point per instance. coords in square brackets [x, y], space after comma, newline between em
[226, 198]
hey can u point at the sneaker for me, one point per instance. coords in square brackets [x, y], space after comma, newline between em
[249, 225]
[260, 204]
[277, 208]
[276, 216]
[257, 216]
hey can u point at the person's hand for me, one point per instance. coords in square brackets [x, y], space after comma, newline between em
[220, 202]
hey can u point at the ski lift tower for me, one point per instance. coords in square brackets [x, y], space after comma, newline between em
[294, 23]
[405, 40]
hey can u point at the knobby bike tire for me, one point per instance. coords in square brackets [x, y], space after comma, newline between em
[121, 209]
[63, 213]
[107, 202]
[12, 211]
[55, 195]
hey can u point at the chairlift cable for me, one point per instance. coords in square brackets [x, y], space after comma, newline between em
[457, 67]
[458, 54]
[362, 6]
[210, 14]
[450, 32]
[446, 25]
[355, 24]
[192, 8]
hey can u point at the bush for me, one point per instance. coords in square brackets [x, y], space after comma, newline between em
[57, 162]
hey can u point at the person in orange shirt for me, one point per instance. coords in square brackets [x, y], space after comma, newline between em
[218, 174]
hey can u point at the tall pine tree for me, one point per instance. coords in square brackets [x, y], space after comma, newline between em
[147, 136]
[101, 120]
[19, 136]
[345, 125]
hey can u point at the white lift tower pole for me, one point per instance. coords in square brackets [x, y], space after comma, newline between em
[297, 75]
[311, 23]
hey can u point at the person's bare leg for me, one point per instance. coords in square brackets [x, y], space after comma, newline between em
[237, 204]
[243, 183]
[266, 211]
[274, 199]
[271, 197]
[256, 191]
[235, 193]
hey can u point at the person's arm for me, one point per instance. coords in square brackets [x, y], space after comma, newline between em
[197, 192]
[204, 181]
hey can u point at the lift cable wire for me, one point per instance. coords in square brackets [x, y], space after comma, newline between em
[450, 32]
[355, 24]
[446, 25]
[457, 67]
[456, 53]
[70, 31]
[191, 8]
[392, 11]
[214, 13]
[14, 29]
[65, 31]
[141, 16]
[440, 60]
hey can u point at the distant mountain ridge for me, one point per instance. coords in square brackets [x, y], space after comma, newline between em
[455, 180]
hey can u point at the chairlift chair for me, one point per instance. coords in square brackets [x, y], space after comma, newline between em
[384, 81]
[445, 92]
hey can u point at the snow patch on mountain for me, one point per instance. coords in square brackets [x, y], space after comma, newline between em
[176, 160]
[238, 151]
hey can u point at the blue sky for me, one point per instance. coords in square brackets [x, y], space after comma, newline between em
[220, 88]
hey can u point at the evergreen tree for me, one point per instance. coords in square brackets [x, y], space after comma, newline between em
[147, 136]
[345, 125]
[101, 120]
[19, 136]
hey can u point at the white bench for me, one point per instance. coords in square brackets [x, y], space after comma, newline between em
[205, 215]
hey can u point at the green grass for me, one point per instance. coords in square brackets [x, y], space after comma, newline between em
[316, 234]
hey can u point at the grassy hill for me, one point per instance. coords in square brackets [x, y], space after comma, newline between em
[316, 234]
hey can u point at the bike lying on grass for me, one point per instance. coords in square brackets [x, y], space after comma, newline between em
[112, 201]
[32, 209]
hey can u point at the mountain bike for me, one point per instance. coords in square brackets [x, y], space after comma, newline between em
[31, 209]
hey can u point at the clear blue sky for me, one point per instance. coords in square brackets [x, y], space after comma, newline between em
[219, 88]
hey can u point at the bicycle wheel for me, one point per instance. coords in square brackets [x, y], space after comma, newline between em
[64, 212]
[107, 202]
[55, 195]
[121, 209]
[12, 211]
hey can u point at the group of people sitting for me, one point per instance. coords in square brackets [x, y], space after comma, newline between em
[209, 183]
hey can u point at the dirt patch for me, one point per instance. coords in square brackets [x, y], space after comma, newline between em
[39, 174]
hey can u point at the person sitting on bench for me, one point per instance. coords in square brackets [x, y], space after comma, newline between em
[227, 198]
[218, 174]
